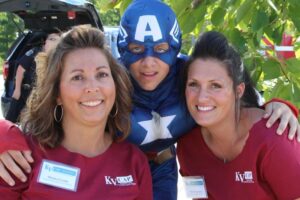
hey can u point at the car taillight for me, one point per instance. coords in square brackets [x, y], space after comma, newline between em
[71, 14]
[5, 70]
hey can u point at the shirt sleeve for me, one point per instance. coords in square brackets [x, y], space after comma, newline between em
[27, 59]
[281, 168]
[11, 137]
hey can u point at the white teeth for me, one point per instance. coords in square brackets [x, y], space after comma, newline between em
[92, 103]
[149, 73]
[204, 108]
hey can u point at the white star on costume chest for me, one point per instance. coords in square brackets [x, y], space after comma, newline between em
[157, 127]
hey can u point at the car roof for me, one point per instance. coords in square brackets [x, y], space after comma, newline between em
[47, 14]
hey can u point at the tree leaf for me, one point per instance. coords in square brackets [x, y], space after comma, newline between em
[281, 90]
[243, 10]
[295, 93]
[237, 40]
[293, 66]
[259, 20]
[293, 2]
[191, 17]
[271, 69]
[179, 6]
[217, 17]
[294, 14]
[184, 23]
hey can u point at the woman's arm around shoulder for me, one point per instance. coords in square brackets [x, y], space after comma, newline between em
[287, 113]
[14, 153]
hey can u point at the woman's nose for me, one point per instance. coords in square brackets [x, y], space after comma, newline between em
[202, 94]
[92, 85]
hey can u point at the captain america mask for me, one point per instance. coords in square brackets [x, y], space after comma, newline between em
[149, 23]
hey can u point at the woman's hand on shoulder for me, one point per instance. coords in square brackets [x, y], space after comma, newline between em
[15, 162]
[278, 110]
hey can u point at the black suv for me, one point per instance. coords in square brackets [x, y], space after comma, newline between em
[38, 17]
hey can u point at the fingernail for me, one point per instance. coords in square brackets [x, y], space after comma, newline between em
[279, 132]
[268, 125]
[23, 179]
[11, 183]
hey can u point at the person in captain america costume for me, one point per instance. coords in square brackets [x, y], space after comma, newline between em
[157, 109]
[150, 37]
[149, 43]
[150, 34]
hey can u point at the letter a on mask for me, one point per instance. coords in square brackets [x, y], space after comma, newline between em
[148, 26]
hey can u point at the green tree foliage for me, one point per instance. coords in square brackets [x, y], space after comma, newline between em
[109, 14]
[245, 23]
[8, 32]
[111, 17]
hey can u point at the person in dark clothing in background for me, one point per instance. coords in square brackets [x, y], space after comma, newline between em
[25, 76]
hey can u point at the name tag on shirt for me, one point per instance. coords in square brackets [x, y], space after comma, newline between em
[58, 175]
[195, 187]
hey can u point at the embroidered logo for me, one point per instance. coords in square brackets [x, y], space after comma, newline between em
[119, 180]
[245, 177]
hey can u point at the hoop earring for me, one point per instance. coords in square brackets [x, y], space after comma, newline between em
[116, 111]
[58, 112]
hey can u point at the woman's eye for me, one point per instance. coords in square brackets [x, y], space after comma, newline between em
[216, 86]
[192, 84]
[77, 77]
[102, 74]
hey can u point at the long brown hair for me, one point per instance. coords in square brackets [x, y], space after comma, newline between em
[38, 120]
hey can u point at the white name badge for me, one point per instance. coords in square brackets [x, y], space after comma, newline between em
[58, 175]
[195, 187]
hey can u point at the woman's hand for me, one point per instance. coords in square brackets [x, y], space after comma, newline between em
[15, 162]
[16, 95]
[278, 110]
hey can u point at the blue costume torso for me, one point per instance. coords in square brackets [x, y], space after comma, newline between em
[159, 117]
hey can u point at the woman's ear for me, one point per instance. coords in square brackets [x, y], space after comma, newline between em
[58, 100]
[240, 90]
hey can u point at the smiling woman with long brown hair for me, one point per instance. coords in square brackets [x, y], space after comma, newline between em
[71, 126]
[231, 151]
